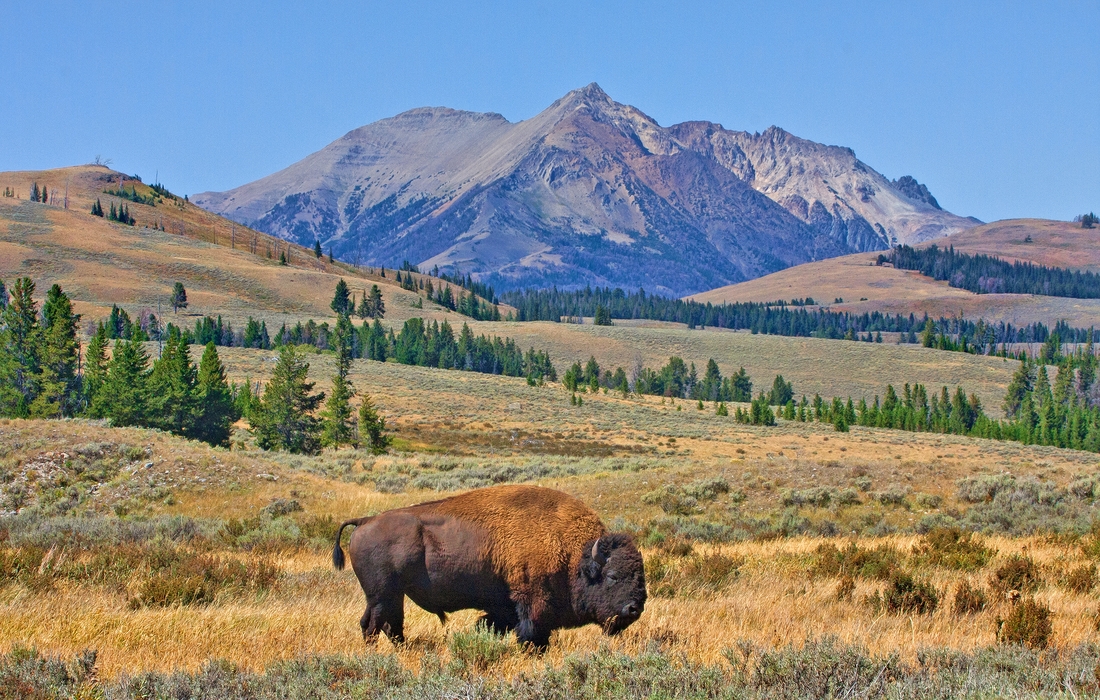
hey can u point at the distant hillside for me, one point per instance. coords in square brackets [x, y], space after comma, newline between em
[863, 286]
[227, 268]
[590, 191]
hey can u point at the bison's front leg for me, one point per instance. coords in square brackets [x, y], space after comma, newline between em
[530, 630]
[500, 620]
[385, 615]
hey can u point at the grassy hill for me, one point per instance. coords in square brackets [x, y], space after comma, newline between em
[227, 268]
[865, 287]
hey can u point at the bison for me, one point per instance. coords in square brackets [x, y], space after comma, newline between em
[533, 559]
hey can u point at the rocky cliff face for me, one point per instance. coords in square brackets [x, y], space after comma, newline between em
[589, 191]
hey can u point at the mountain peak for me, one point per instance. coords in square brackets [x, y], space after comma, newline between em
[588, 191]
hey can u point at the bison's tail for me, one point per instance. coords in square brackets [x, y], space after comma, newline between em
[337, 551]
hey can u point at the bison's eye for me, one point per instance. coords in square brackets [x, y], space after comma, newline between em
[611, 576]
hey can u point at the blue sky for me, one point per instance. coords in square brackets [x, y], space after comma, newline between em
[996, 106]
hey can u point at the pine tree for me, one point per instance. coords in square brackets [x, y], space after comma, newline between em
[21, 346]
[95, 368]
[284, 419]
[372, 427]
[172, 402]
[97, 208]
[217, 411]
[317, 249]
[179, 297]
[341, 300]
[337, 428]
[58, 383]
[123, 398]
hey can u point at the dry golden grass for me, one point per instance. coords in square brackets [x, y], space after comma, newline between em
[772, 602]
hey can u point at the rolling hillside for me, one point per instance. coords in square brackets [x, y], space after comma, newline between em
[866, 287]
[227, 268]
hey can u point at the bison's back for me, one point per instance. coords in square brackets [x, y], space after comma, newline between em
[533, 532]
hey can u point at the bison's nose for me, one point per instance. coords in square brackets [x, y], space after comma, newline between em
[632, 610]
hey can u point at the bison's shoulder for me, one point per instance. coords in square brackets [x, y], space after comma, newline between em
[534, 532]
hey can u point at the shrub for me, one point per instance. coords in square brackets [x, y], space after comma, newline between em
[669, 576]
[185, 579]
[1028, 624]
[391, 483]
[952, 548]
[904, 594]
[282, 506]
[1016, 574]
[1081, 579]
[707, 489]
[819, 496]
[711, 572]
[977, 489]
[878, 563]
[928, 500]
[892, 496]
[969, 600]
[671, 500]
[478, 649]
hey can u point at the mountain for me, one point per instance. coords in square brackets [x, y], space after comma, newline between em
[589, 191]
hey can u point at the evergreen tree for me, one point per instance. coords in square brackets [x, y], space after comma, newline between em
[372, 427]
[741, 387]
[246, 400]
[97, 208]
[602, 316]
[172, 402]
[337, 428]
[317, 249]
[284, 420]
[123, 397]
[59, 356]
[95, 368]
[21, 346]
[179, 297]
[341, 300]
[217, 410]
[781, 392]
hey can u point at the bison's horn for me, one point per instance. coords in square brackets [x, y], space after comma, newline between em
[596, 551]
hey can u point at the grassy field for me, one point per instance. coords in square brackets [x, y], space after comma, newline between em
[732, 520]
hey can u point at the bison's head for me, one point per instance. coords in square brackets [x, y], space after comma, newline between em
[610, 586]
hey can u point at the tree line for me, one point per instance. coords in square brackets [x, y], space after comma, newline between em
[1063, 414]
[795, 318]
[41, 375]
[985, 274]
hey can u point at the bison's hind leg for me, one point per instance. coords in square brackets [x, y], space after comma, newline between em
[386, 615]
